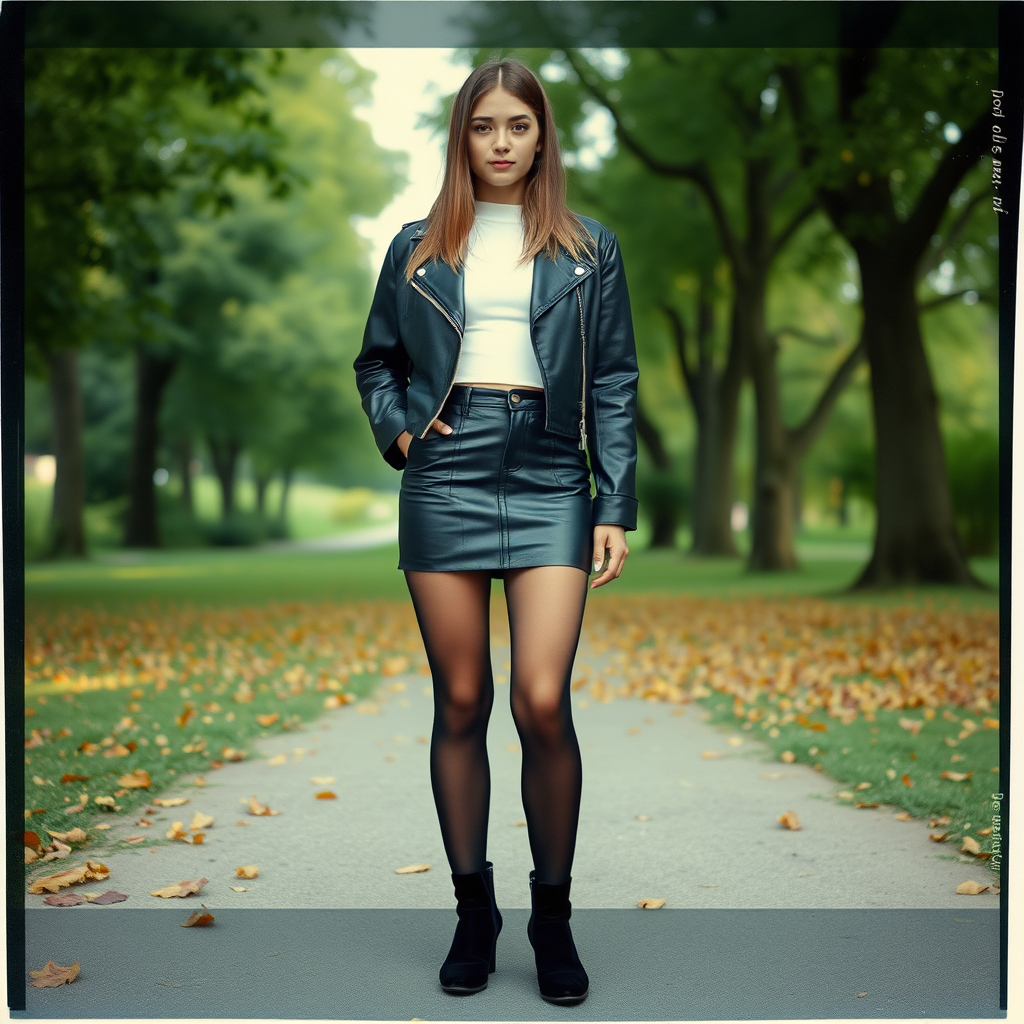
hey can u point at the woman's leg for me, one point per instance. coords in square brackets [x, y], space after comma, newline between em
[545, 610]
[453, 611]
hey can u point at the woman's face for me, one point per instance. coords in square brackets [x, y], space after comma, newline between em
[504, 138]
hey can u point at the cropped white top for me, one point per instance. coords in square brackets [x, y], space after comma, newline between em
[496, 345]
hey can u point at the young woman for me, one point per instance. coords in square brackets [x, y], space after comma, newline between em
[499, 352]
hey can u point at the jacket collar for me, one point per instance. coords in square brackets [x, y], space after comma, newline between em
[552, 278]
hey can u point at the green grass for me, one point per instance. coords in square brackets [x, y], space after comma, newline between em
[227, 576]
[882, 752]
[149, 719]
[155, 586]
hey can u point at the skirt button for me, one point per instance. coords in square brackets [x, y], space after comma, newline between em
[515, 398]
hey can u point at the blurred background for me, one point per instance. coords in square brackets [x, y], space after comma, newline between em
[808, 239]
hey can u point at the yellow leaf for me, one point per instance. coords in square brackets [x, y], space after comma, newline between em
[238, 888]
[280, 759]
[651, 903]
[255, 807]
[412, 869]
[789, 819]
[171, 801]
[198, 918]
[938, 837]
[862, 803]
[182, 889]
[734, 741]
[267, 720]
[970, 888]
[177, 831]
[955, 776]
[76, 835]
[137, 779]
[200, 821]
[970, 846]
[844, 795]
[788, 756]
[710, 755]
[902, 816]
[53, 975]
[91, 869]
[907, 781]
[322, 780]
[247, 871]
[326, 795]
[990, 723]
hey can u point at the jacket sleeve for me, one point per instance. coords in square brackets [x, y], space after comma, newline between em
[613, 398]
[382, 366]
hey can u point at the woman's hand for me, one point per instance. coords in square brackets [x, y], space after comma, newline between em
[404, 439]
[609, 553]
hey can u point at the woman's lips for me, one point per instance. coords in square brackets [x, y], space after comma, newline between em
[501, 164]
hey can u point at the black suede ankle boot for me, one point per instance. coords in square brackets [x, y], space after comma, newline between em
[560, 974]
[471, 957]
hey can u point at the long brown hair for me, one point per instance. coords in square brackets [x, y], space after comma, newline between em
[547, 222]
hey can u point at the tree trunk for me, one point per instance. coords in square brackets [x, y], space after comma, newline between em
[714, 451]
[224, 454]
[286, 484]
[915, 537]
[262, 482]
[183, 451]
[771, 531]
[152, 374]
[659, 498]
[67, 520]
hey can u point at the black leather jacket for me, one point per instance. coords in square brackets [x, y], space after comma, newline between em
[578, 310]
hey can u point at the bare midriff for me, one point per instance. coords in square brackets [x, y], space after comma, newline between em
[500, 387]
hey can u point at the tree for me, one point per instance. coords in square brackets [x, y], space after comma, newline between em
[882, 143]
[267, 304]
[100, 133]
[738, 151]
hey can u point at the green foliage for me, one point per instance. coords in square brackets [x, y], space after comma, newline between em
[104, 128]
[973, 466]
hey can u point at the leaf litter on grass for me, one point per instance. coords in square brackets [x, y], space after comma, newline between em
[184, 687]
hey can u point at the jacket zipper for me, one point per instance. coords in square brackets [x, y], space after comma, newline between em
[458, 331]
[583, 393]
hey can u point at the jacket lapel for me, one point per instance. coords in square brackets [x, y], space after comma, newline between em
[552, 278]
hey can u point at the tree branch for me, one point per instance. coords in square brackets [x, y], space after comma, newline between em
[941, 300]
[819, 340]
[679, 337]
[779, 242]
[695, 171]
[931, 205]
[956, 229]
[801, 437]
[648, 432]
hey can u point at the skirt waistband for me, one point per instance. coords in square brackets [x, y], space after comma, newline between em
[467, 396]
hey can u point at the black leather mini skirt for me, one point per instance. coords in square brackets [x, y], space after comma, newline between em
[499, 492]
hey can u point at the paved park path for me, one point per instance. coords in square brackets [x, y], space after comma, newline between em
[854, 916]
[658, 820]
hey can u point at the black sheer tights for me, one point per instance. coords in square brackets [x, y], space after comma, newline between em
[545, 609]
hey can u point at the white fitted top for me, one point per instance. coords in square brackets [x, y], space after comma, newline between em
[496, 345]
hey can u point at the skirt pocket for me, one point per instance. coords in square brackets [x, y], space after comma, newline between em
[568, 464]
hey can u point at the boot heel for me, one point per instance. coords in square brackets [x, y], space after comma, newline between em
[560, 974]
[472, 955]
